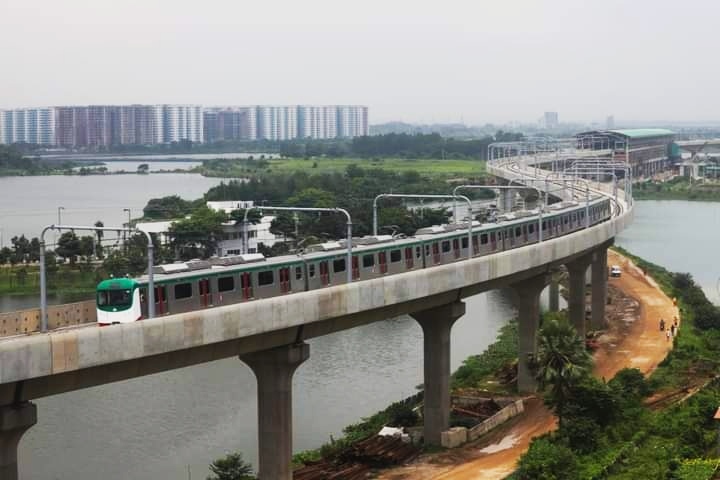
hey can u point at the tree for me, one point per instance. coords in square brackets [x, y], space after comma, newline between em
[143, 168]
[199, 234]
[86, 246]
[68, 246]
[231, 467]
[562, 362]
[546, 460]
[99, 234]
[283, 225]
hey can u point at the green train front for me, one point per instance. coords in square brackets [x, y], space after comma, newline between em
[118, 301]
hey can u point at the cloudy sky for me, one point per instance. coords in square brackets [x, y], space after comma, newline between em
[418, 61]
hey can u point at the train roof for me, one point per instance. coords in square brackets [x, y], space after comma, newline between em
[117, 284]
[216, 265]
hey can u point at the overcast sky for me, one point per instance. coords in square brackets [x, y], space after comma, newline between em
[441, 61]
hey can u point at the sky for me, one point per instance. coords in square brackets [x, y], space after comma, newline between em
[416, 61]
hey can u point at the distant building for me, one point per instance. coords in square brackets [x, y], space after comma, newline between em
[28, 125]
[551, 120]
[646, 150]
[97, 126]
[610, 122]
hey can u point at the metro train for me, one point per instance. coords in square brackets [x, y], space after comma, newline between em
[202, 284]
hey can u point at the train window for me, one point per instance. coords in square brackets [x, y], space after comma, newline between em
[226, 284]
[266, 278]
[298, 273]
[531, 228]
[484, 239]
[464, 242]
[395, 256]
[566, 220]
[339, 265]
[427, 250]
[368, 261]
[183, 290]
[446, 246]
[418, 252]
[160, 294]
[544, 225]
[518, 231]
[311, 270]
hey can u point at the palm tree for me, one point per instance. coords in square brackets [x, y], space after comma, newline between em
[562, 362]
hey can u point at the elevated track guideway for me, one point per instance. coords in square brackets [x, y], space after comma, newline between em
[268, 334]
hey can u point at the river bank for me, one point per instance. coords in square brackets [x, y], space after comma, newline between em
[626, 343]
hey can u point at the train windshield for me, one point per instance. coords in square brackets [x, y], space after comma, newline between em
[114, 298]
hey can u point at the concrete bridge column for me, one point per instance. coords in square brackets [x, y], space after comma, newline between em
[528, 304]
[554, 291]
[436, 324]
[599, 288]
[15, 420]
[576, 297]
[274, 371]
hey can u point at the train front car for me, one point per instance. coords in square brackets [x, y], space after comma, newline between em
[118, 301]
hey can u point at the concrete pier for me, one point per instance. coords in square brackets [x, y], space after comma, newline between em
[576, 296]
[274, 371]
[599, 288]
[554, 291]
[528, 304]
[15, 420]
[436, 324]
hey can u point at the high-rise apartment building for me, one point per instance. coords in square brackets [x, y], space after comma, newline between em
[277, 122]
[28, 125]
[232, 123]
[551, 120]
[317, 121]
[352, 121]
[182, 122]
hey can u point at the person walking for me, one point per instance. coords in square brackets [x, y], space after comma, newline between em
[672, 330]
[662, 324]
[667, 335]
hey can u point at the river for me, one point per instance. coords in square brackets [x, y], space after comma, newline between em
[27, 204]
[171, 425]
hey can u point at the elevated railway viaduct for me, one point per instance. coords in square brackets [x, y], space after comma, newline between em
[269, 334]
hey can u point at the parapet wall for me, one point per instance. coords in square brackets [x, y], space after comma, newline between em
[28, 321]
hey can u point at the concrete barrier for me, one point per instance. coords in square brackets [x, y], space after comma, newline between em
[454, 437]
[502, 416]
[28, 321]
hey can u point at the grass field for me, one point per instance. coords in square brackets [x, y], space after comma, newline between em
[434, 167]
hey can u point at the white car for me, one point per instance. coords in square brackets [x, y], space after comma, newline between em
[615, 271]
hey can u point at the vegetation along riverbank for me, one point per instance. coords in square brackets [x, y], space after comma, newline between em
[678, 188]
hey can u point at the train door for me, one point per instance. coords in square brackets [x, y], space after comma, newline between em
[525, 233]
[436, 253]
[456, 247]
[205, 293]
[509, 233]
[355, 268]
[409, 258]
[324, 273]
[246, 285]
[382, 260]
[493, 241]
[161, 302]
[475, 245]
[284, 274]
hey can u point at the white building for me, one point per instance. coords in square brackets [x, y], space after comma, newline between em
[182, 122]
[28, 125]
[317, 121]
[352, 121]
[277, 122]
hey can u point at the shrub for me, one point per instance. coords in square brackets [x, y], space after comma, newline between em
[546, 460]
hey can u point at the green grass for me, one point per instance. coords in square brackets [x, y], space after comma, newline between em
[25, 280]
[433, 167]
[678, 188]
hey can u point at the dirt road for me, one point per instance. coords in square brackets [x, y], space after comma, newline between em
[633, 340]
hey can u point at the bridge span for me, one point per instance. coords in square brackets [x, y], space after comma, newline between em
[269, 334]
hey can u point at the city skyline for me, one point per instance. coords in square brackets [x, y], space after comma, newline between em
[108, 125]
